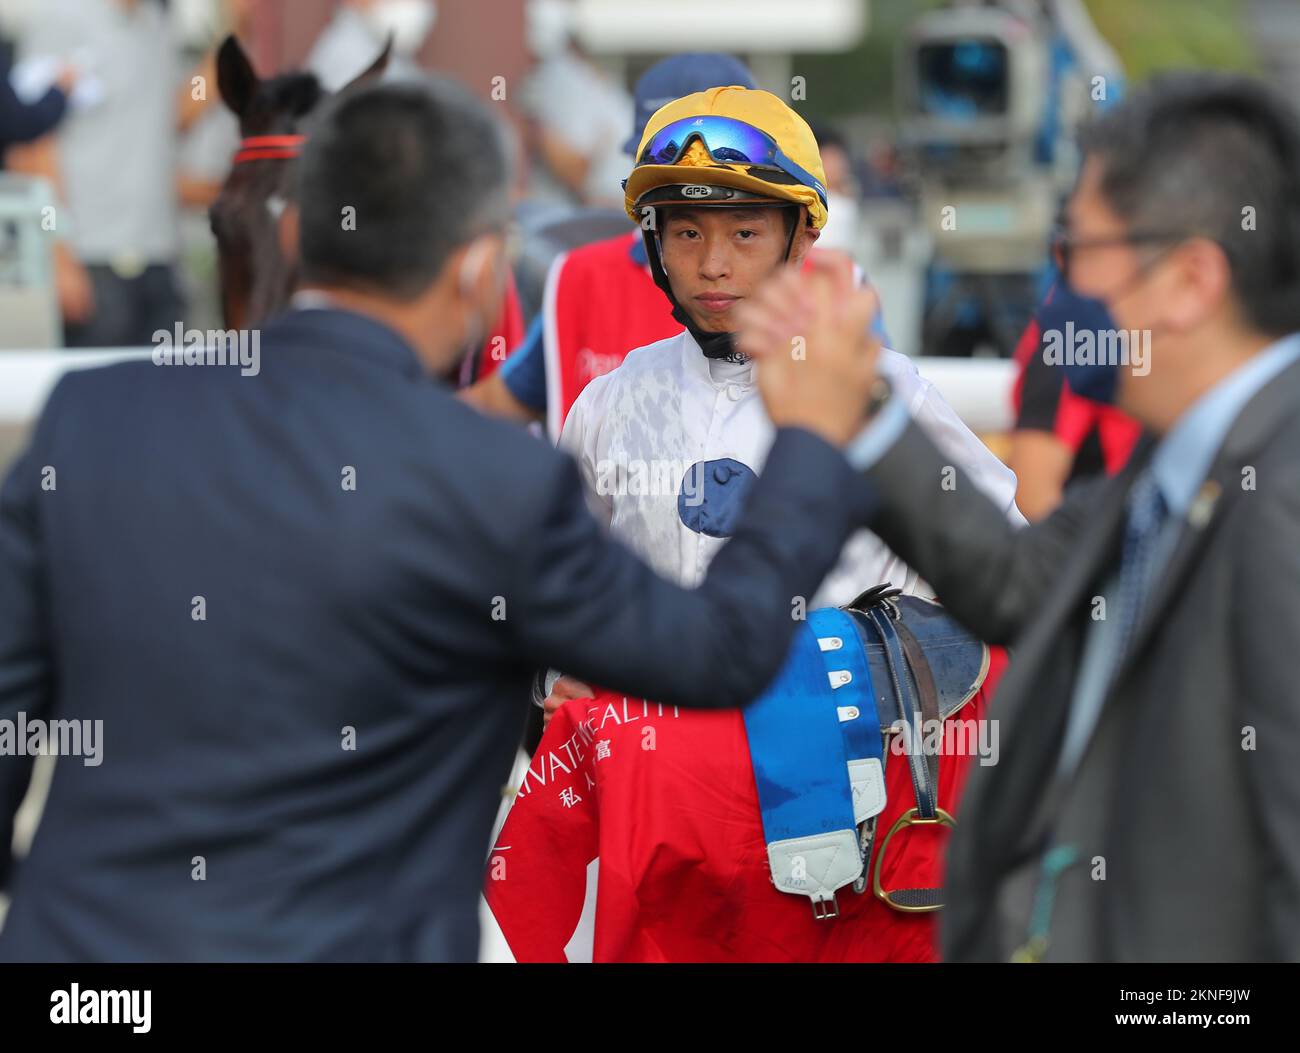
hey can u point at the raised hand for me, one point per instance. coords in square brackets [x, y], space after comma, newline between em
[810, 336]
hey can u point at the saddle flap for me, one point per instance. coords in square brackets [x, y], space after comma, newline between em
[867, 780]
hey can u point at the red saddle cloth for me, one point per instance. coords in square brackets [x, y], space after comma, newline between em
[666, 800]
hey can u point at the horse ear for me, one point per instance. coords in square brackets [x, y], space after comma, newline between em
[376, 68]
[236, 79]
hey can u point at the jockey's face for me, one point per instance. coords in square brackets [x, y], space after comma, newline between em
[715, 257]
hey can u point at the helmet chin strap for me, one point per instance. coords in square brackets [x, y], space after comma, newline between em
[714, 345]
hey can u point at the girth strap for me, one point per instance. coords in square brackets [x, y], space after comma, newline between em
[803, 788]
[918, 705]
[814, 739]
[854, 699]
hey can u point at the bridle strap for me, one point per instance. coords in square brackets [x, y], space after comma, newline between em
[269, 148]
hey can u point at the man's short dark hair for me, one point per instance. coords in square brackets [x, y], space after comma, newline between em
[422, 166]
[1187, 154]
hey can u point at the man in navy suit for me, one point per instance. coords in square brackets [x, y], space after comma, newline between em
[297, 606]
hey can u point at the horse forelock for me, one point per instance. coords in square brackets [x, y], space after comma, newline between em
[280, 104]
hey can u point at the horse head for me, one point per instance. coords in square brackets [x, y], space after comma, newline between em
[257, 272]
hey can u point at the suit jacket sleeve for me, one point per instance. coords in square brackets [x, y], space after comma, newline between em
[991, 575]
[1267, 627]
[592, 608]
[26, 665]
[940, 422]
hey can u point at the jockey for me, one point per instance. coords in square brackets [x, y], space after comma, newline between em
[727, 188]
[599, 300]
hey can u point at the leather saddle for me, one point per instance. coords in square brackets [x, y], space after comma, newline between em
[957, 662]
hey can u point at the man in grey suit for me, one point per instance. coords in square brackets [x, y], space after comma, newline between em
[1147, 802]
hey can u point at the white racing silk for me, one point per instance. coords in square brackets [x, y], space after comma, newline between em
[637, 430]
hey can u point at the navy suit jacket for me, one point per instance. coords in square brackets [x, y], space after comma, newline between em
[227, 819]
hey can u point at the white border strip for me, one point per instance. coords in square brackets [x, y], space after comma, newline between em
[978, 389]
[28, 377]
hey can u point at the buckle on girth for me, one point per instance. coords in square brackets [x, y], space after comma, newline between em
[825, 908]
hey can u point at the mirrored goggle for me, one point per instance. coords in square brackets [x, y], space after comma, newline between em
[728, 142]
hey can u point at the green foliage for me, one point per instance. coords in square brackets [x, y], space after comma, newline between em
[1155, 35]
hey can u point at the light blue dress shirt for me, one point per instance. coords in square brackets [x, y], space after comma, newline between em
[1180, 465]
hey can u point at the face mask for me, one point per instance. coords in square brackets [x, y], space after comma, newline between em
[407, 21]
[1098, 382]
[1071, 329]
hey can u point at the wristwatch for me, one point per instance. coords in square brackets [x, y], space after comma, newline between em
[544, 684]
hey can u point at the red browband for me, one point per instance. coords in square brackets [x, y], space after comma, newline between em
[269, 148]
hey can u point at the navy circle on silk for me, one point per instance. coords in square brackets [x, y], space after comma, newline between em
[712, 494]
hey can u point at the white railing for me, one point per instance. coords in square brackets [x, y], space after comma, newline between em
[27, 377]
[978, 389]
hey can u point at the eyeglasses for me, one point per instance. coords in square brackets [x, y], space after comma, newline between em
[728, 142]
[1065, 245]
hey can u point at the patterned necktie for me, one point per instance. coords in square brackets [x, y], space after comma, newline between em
[1147, 512]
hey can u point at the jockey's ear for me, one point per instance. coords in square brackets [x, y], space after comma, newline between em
[237, 81]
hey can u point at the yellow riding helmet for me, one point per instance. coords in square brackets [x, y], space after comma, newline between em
[695, 167]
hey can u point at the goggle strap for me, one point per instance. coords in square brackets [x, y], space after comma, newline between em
[704, 194]
[780, 161]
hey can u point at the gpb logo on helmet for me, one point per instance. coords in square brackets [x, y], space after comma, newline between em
[696, 190]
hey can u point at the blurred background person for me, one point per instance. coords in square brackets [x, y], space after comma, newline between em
[211, 135]
[577, 116]
[1060, 437]
[29, 115]
[843, 194]
[113, 167]
[358, 31]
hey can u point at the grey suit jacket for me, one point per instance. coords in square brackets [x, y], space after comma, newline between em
[1185, 807]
